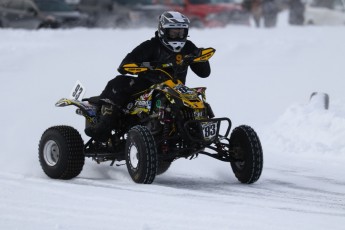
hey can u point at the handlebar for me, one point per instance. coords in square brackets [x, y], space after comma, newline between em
[136, 68]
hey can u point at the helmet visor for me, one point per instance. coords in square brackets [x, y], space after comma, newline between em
[176, 34]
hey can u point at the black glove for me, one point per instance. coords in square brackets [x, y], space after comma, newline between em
[189, 58]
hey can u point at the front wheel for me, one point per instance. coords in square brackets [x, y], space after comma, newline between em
[246, 148]
[61, 152]
[141, 155]
[49, 25]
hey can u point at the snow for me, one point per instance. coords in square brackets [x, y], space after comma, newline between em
[260, 77]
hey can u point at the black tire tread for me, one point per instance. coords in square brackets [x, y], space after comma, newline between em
[72, 150]
[149, 173]
[252, 172]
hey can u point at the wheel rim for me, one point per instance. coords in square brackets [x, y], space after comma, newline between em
[51, 153]
[133, 156]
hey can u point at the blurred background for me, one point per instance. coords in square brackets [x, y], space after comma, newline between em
[37, 14]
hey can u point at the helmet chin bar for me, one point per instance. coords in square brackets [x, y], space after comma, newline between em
[175, 45]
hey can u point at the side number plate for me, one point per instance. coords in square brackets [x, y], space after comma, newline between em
[77, 92]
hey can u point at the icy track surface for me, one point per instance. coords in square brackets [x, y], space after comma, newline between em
[262, 78]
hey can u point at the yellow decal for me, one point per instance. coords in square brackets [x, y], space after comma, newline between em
[206, 54]
[133, 68]
[193, 105]
[186, 101]
[178, 59]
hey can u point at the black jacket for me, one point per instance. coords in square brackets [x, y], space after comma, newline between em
[154, 51]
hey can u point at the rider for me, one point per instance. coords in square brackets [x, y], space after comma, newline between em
[168, 45]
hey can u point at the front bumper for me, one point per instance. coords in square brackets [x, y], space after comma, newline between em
[207, 130]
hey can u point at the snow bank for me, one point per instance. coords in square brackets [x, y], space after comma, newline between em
[308, 129]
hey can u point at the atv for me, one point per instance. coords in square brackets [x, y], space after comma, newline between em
[166, 122]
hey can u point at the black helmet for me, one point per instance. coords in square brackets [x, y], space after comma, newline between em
[173, 30]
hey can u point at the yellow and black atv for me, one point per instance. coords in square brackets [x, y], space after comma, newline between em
[165, 122]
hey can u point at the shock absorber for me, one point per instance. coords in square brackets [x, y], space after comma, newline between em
[166, 121]
[165, 135]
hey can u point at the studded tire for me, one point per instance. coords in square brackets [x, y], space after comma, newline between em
[246, 147]
[141, 155]
[61, 153]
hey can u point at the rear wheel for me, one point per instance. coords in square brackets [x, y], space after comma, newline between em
[49, 25]
[141, 155]
[163, 166]
[246, 148]
[61, 152]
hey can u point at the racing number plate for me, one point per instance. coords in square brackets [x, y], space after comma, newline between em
[209, 130]
[78, 91]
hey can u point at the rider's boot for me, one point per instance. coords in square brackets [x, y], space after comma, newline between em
[102, 130]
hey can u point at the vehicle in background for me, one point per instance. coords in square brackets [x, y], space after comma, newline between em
[24, 14]
[210, 13]
[36, 14]
[100, 10]
[142, 13]
[139, 13]
[66, 16]
[72, 3]
[122, 13]
[325, 12]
